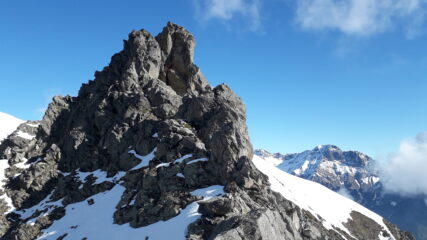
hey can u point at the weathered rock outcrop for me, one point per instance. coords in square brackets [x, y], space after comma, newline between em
[151, 99]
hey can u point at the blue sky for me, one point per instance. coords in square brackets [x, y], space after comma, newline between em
[311, 72]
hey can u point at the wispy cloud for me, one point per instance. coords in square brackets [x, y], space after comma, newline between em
[228, 10]
[362, 17]
[405, 171]
[47, 98]
[345, 193]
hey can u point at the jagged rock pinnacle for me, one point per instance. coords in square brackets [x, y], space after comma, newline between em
[151, 100]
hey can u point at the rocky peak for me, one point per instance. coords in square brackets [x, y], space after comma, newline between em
[150, 99]
[350, 158]
[151, 129]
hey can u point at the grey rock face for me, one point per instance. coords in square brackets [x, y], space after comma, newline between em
[151, 99]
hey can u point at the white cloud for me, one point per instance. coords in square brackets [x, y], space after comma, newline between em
[405, 171]
[47, 98]
[345, 193]
[227, 10]
[361, 17]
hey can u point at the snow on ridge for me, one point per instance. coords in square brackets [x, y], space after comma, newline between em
[198, 160]
[34, 125]
[96, 221]
[315, 198]
[8, 124]
[25, 135]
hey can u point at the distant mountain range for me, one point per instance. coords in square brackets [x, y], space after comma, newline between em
[354, 175]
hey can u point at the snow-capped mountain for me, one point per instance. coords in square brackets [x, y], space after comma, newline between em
[354, 175]
[333, 209]
[149, 150]
[328, 165]
[8, 124]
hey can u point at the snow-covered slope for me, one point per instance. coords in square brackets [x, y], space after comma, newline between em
[8, 124]
[334, 209]
[94, 220]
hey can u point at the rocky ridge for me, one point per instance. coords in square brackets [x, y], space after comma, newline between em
[151, 100]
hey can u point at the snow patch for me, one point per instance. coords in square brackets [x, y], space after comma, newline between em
[163, 165]
[96, 221]
[182, 176]
[145, 160]
[23, 165]
[197, 160]
[100, 176]
[25, 135]
[46, 205]
[179, 160]
[33, 125]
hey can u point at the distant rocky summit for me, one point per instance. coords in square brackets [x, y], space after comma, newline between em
[149, 150]
[355, 175]
[329, 166]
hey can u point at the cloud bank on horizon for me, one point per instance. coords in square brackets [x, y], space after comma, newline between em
[405, 171]
[359, 18]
